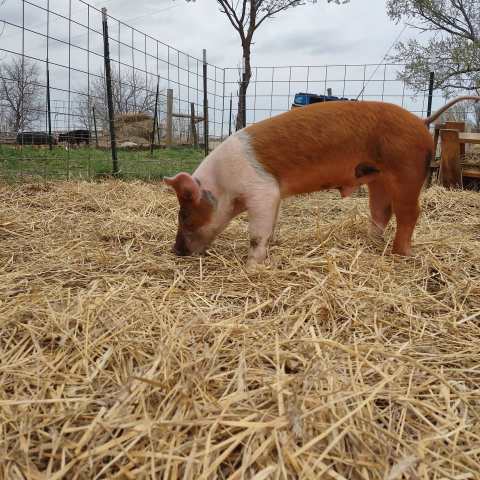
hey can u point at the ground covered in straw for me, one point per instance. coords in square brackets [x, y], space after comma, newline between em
[336, 361]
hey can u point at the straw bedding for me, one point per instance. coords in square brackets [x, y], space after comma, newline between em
[335, 361]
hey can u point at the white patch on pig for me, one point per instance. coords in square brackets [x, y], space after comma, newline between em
[237, 181]
[250, 155]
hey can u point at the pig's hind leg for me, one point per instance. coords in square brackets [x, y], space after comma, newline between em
[262, 216]
[380, 201]
[405, 193]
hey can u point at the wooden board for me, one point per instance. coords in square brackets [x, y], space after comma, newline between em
[471, 173]
[471, 138]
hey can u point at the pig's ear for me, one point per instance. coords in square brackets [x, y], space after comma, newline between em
[185, 186]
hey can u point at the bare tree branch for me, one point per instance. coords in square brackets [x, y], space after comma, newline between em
[131, 91]
[246, 16]
[20, 88]
[453, 52]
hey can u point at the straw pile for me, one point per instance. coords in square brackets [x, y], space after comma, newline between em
[134, 127]
[471, 158]
[335, 361]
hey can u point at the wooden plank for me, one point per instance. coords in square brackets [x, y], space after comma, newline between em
[451, 125]
[187, 115]
[450, 171]
[460, 127]
[471, 173]
[471, 138]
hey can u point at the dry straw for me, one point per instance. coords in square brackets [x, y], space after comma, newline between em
[336, 361]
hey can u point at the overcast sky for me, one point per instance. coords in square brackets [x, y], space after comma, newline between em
[313, 34]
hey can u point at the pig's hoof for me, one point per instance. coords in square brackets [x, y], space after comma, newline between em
[402, 251]
[376, 231]
[252, 265]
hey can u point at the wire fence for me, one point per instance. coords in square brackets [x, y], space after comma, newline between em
[167, 107]
[272, 89]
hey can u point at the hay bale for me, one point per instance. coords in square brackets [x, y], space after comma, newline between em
[132, 127]
[128, 145]
[471, 158]
[132, 117]
[337, 360]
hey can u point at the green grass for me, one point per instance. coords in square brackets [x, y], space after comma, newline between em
[94, 163]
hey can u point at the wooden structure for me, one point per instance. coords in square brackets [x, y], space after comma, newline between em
[171, 114]
[453, 139]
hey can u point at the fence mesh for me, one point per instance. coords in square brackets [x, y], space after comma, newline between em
[53, 95]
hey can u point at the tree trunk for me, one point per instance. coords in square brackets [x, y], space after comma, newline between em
[241, 120]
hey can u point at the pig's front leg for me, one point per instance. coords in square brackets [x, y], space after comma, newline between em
[275, 234]
[262, 216]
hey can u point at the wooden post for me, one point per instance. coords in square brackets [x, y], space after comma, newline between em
[169, 117]
[451, 125]
[460, 127]
[450, 174]
[193, 127]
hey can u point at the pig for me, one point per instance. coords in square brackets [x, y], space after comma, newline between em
[332, 145]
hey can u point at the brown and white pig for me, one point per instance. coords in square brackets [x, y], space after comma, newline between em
[338, 145]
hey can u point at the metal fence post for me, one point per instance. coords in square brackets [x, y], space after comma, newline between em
[108, 81]
[49, 113]
[154, 118]
[95, 126]
[230, 117]
[192, 125]
[430, 93]
[205, 103]
[169, 117]
[223, 106]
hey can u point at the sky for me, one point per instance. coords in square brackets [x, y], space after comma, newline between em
[313, 34]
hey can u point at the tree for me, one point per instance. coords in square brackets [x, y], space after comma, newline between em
[131, 91]
[452, 50]
[20, 89]
[246, 16]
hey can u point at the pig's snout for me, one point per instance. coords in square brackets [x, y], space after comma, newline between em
[180, 247]
[179, 252]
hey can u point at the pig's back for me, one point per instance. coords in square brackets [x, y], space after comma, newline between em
[306, 145]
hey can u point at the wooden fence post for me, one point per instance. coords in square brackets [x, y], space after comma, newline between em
[169, 117]
[450, 173]
[459, 127]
